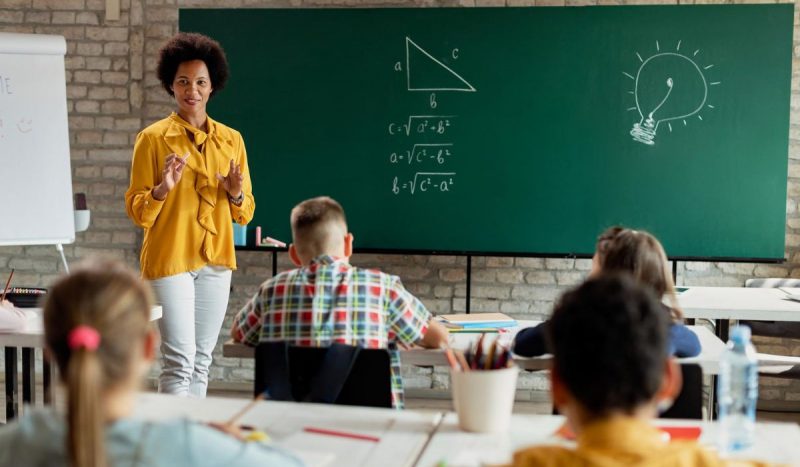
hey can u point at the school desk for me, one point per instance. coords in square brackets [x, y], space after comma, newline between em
[738, 303]
[28, 339]
[775, 442]
[401, 434]
[413, 437]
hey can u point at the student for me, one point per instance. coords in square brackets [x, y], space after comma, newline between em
[11, 318]
[326, 300]
[96, 325]
[610, 371]
[638, 253]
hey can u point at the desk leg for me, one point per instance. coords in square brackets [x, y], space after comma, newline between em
[723, 329]
[47, 381]
[12, 404]
[28, 376]
[712, 398]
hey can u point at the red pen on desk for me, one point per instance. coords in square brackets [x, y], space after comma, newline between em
[343, 434]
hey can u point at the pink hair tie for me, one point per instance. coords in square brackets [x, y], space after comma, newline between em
[84, 336]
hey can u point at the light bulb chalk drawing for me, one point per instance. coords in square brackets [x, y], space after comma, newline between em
[668, 86]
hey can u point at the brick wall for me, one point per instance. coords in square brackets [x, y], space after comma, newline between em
[113, 92]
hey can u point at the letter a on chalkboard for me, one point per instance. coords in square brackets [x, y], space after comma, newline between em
[426, 73]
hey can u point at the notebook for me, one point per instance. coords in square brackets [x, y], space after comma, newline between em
[478, 320]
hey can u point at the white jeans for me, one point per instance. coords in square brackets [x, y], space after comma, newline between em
[194, 305]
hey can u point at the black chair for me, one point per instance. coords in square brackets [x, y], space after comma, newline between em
[339, 374]
[689, 403]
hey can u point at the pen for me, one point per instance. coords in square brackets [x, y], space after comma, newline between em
[8, 282]
[343, 434]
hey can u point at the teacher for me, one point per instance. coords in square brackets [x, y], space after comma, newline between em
[189, 181]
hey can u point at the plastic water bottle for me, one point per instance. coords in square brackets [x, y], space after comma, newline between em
[737, 391]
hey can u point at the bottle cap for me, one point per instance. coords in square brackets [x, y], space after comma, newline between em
[740, 334]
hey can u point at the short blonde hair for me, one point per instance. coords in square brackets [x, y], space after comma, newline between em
[317, 225]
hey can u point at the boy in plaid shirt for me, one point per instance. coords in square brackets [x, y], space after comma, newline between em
[326, 300]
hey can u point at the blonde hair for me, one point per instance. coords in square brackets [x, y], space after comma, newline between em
[106, 296]
[317, 225]
[640, 254]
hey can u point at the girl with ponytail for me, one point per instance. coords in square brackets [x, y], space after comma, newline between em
[97, 331]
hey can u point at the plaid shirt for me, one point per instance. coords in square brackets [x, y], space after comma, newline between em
[330, 301]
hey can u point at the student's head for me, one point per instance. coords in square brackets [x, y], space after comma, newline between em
[639, 254]
[192, 68]
[602, 245]
[319, 228]
[609, 344]
[96, 324]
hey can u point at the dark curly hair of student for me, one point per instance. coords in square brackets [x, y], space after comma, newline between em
[188, 46]
[609, 343]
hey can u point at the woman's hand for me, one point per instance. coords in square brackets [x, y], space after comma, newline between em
[170, 176]
[232, 183]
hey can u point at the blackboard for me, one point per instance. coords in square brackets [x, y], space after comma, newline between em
[519, 131]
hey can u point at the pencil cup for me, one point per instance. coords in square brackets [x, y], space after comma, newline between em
[82, 218]
[239, 234]
[484, 399]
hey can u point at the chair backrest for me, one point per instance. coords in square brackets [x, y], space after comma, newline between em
[689, 403]
[339, 374]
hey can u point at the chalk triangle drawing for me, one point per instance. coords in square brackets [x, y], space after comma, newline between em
[429, 74]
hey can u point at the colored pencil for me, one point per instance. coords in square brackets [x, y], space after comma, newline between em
[8, 282]
[489, 364]
[461, 360]
[343, 434]
[244, 410]
[451, 359]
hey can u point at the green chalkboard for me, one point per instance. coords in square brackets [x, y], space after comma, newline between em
[517, 130]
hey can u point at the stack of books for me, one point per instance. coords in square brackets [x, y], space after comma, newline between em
[477, 322]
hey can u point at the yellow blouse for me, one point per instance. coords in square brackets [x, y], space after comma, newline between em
[623, 441]
[192, 226]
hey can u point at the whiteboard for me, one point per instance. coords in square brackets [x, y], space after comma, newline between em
[35, 174]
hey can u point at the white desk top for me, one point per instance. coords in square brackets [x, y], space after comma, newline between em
[33, 334]
[768, 304]
[403, 433]
[775, 442]
[708, 358]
